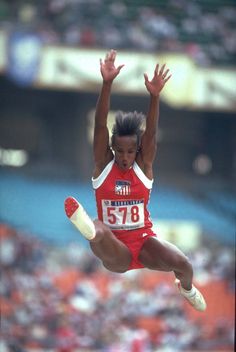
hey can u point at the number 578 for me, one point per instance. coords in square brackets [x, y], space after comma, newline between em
[116, 213]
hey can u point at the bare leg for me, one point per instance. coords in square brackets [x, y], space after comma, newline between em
[112, 252]
[164, 256]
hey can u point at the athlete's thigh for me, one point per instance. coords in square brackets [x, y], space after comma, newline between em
[160, 255]
[114, 254]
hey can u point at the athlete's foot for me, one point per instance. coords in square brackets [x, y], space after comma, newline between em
[194, 297]
[79, 218]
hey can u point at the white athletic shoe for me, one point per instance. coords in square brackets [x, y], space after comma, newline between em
[79, 218]
[196, 299]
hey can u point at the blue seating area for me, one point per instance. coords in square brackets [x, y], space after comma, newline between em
[173, 204]
[38, 207]
[225, 200]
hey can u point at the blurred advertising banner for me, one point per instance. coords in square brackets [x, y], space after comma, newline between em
[190, 86]
[186, 234]
[27, 62]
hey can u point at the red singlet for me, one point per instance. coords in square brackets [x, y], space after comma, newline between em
[122, 198]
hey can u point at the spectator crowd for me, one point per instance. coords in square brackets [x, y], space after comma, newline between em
[61, 299]
[205, 30]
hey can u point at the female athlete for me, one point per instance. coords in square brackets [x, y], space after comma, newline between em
[122, 236]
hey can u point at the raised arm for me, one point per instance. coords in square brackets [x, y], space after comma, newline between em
[101, 149]
[149, 138]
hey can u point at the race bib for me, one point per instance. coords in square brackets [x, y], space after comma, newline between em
[123, 214]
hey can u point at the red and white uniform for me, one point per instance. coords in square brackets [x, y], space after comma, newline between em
[122, 198]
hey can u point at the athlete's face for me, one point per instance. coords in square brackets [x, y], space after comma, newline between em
[125, 149]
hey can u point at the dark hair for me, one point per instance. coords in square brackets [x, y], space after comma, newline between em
[128, 124]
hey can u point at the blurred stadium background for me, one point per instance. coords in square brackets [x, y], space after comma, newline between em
[55, 296]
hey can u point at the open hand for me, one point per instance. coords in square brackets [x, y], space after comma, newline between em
[107, 67]
[158, 81]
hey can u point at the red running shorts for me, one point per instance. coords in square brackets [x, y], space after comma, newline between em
[134, 240]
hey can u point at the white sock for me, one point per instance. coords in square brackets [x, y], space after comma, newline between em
[84, 223]
[189, 293]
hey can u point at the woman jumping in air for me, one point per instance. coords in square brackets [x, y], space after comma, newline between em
[122, 237]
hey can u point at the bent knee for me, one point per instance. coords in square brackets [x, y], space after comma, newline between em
[101, 231]
[115, 267]
[100, 226]
[183, 262]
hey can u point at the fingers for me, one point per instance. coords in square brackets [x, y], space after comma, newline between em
[145, 77]
[120, 67]
[156, 70]
[113, 55]
[167, 78]
[110, 56]
[163, 73]
[162, 69]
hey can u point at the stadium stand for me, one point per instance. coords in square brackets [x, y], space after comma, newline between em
[203, 30]
[38, 207]
[60, 296]
[54, 292]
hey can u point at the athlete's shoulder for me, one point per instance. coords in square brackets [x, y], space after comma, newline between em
[101, 165]
[97, 181]
[147, 181]
[146, 168]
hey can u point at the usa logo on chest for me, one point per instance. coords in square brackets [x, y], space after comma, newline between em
[122, 187]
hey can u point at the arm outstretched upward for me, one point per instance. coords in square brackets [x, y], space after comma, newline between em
[147, 152]
[101, 149]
